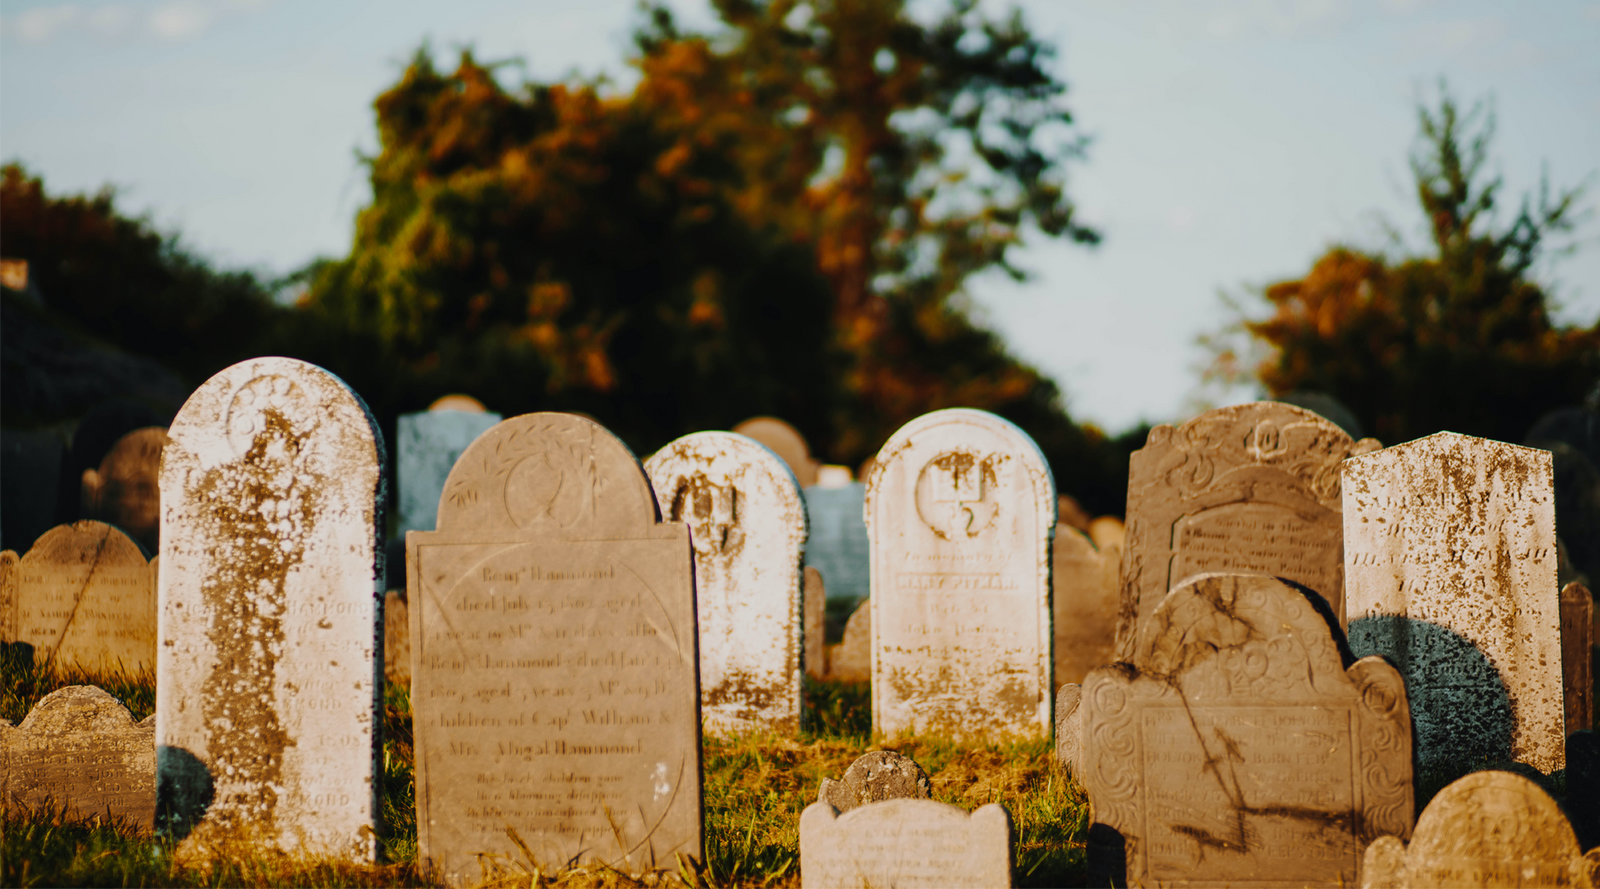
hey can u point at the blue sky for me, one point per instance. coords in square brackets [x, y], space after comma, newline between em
[1233, 141]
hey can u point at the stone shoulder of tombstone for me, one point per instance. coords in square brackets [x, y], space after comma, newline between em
[875, 777]
[1248, 671]
[80, 748]
[904, 842]
[1491, 828]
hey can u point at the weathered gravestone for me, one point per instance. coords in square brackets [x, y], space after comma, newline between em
[785, 441]
[960, 508]
[1241, 746]
[83, 596]
[80, 748]
[747, 522]
[816, 602]
[1248, 489]
[426, 446]
[1577, 656]
[875, 777]
[125, 491]
[1084, 581]
[268, 681]
[1488, 829]
[907, 843]
[553, 652]
[1450, 567]
[837, 542]
[851, 659]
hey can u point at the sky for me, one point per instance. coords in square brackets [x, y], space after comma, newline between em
[1233, 141]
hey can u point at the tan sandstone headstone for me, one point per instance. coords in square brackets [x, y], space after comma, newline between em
[1085, 588]
[84, 596]
[1248, 489]
[816, 624]
[553, 650]
[125, 491]
[747, 523]
[1489, 829]
[1450, 566]
[1577, 656]
[268, 685]
[1240, 746]
[80, 748]
[851, 659]
[960, 510]
[906, 843]
[785, 441]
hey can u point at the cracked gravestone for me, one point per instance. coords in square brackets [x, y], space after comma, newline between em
[80, 748]
[1450, 567]
[875, 777]
[84, 596]
[960, 510]
[1248, 489]
[908, 843]
[268, 684]
[747, 523]
[426, 446]
[553, 660]
[1240, 746]
[1084, 587]
[1488, 829]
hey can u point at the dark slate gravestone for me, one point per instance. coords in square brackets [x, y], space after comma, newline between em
[80, 748]
[837, 545]
[1241, 746]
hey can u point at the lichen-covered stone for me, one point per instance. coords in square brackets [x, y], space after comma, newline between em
[747, 522]
[907, 843]
[268, 681]
[1450, 568]
[84, 596]
[1241, 746]
[875, 777]
[80, 748]
[960, 509]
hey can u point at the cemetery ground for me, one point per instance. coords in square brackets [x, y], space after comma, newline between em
[755, 789]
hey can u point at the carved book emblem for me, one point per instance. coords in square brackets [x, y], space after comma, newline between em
[955, 494]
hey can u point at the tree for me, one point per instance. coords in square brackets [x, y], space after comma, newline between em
[1459, 340]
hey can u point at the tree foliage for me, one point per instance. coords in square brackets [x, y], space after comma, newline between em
[1462, 339]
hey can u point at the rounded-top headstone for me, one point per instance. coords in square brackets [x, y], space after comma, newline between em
[84, 596]
[875, 777]
[464, 403]
[785, 441]
[125, 490]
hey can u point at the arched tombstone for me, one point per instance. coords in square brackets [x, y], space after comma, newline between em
[1242, 745]
[785, 441]
[960, 509]
[125, 490]
[83, 597]
[268, 678]
[554, 660]
[1252, 488]
[747, 523]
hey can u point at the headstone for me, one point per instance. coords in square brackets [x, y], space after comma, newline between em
[875, 777]
[1241, 747]
[554, 660]
[426, 446]
[837, 543]
[747, 523]
[84, 597]
[396, 639]
[1085, 604]
[458, 402]
[1488, 829]
[1577, 656]
[815, 625]
[785, 441]
[1107, 531]
[125, 491]
[80, 748]
[1071, 514]
[830, 475]
[1248, 489]
[1450, 567]
[851, 659]
[960, 508]
[1069, 726]
[907, 843]
[268, 681]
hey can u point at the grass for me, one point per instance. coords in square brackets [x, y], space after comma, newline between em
[755, 789]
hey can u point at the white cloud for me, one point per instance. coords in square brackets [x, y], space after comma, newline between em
[41, 23]
[175, 21]
[1465, 34]
[1180, 218]
[111, 21]
[172, 20]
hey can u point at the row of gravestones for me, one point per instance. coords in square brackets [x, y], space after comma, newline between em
[555, 618]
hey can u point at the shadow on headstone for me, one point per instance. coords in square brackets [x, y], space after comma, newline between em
[1583, 787]
[184, 793]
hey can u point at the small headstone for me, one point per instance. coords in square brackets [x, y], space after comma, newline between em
[125, 491]
[877, 776]
[830, 475]
[554, 660]
[1107, 532]
[908, 843]
[960, 509]
[1489, 829]
[815, 625]
[1240, 746]
[851, 659]
[1085, 604]
[458, 402]
[747, 522]
[84, 596]
[80, 748]
[396, 639]
[426, 446]
[269, 696]
[1248, 489]
[785, 441]
[837, 542]
[1577, 656]
[1450, 567]
[1071, 514]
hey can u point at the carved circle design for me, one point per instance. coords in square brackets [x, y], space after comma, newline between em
[956, 494]
[545, 490]
[269, 394]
